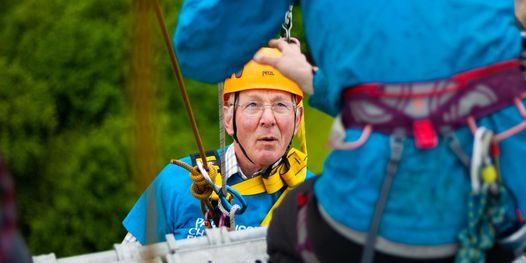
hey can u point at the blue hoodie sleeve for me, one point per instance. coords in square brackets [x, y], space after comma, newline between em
[214, 38]
[324, 98]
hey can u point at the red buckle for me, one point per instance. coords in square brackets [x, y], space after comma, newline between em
[425, 135]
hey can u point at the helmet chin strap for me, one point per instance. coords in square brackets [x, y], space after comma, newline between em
[236, 95]
[265, 172]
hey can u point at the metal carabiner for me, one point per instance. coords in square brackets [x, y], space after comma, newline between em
[235, 195]
[221, 194]
[287, 23]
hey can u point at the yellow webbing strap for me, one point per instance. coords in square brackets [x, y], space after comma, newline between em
[289, 175]
[295, 173]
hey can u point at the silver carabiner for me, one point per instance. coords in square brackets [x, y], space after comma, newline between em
[287, 23]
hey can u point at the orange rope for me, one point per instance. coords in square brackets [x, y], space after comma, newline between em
[200, 188]
[179, 76]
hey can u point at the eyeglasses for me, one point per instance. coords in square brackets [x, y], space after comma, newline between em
[255, 109]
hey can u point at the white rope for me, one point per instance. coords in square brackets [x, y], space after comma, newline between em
[205, 175]
[232, 215]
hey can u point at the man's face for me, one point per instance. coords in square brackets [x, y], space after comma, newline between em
[263, 131]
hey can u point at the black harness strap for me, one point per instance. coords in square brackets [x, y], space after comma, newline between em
[397, 145]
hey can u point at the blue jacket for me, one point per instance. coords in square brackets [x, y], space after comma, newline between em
[356, 41]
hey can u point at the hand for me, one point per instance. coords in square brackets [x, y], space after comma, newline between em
[292, 64]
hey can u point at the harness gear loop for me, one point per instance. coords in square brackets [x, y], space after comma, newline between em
[337, 136]
[397, 145]
[177, 71]
[511, 131]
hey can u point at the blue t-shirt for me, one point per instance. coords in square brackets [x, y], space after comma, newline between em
[177, 212]
[386, 41]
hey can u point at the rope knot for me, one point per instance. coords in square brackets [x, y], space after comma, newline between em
[200, 188]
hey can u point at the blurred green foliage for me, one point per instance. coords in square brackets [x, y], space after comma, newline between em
[66, 124]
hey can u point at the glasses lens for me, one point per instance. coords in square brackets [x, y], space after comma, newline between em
[278, 108]
[282, 107]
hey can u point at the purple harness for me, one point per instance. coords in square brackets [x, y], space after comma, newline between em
[427, 107]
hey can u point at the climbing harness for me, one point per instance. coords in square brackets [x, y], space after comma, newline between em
[426, 109]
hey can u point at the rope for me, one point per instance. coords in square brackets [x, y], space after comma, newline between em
[221, 103]
[179, 76]
[200, 188]
[487, 202]
[486, 210]
[232, 216]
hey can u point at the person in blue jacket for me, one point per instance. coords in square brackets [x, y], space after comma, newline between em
[411, 84]
[263, 113]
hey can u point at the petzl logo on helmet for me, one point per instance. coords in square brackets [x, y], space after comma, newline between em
[267, 73]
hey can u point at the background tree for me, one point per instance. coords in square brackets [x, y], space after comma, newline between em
[66, 123]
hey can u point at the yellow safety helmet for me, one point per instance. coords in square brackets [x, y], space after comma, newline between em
[258, 76]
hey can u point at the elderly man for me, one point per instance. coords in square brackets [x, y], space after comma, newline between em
[262, 115]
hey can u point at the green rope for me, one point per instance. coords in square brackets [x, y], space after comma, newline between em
[486, 212]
